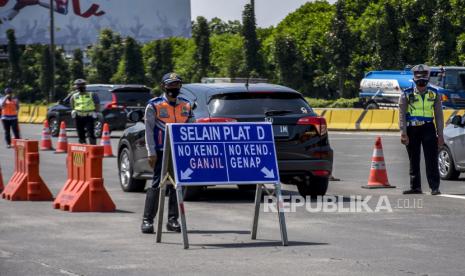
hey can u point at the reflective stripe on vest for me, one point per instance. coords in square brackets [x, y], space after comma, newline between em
[83, 103]
[9, 109]
[167, 113]
[421, 108]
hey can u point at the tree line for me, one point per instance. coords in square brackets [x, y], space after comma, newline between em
[322, 50]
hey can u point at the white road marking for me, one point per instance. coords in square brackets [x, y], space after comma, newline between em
[453, 196]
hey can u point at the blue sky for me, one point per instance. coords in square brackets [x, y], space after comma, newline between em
[268, 12]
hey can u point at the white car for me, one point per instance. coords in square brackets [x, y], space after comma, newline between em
[451, 156]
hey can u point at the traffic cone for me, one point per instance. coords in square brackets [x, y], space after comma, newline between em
[378, 175]
[46, 142]
[62, 145]
[1, 180]
[106, 141]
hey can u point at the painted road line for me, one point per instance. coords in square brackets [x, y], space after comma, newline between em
[453, 196]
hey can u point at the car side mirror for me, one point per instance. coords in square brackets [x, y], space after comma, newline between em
[135, 116]
[456, 120]
[194, 105]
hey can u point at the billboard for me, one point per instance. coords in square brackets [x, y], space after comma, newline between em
[78, 22]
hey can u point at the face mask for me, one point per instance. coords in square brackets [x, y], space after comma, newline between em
[421, 83]
[173, 92]
[81, 89]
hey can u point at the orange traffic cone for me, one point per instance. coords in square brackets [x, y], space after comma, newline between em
[106, 141]
[62, 145]
[378, 175]
[1, 180]
[46, 142]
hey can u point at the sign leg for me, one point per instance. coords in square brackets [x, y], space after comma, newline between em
[282, 220]
[258, 199]
[183, 217]
[161, 210]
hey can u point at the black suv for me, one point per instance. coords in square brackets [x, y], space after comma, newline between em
[115, 102]
[305, 157]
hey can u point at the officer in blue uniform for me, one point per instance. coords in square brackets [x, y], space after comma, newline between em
[169, 108]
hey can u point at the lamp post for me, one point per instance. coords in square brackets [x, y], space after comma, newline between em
[51, 94]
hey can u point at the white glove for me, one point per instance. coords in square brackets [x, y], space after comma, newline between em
[94, 115]
[73, 114]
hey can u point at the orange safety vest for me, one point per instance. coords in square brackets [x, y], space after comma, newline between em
[10, 109]
[166, 113]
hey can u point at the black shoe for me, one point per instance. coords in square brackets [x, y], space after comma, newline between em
[435, 192]
[412, 192]
[147, 226]
[173, 226]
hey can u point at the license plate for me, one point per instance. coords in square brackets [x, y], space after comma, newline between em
[281, 130]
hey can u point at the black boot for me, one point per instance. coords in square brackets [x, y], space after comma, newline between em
[150, 210]
[173, 226]
[412, 192]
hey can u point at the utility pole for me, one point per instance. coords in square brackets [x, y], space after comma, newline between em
[51, 94]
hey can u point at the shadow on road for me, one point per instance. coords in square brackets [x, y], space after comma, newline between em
[256, 244]
[240, 232]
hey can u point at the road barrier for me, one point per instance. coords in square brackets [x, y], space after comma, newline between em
[1, 180]
[337, 118]
[26, 183]
[84, 190]
[371, 120]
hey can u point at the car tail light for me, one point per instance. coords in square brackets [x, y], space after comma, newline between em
[318, 122]
[216, 120]
[320, 173]
[114, 103]
[444, 98]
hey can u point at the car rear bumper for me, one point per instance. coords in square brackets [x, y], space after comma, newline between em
[304, 166]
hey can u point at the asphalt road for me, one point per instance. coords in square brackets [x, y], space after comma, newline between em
[36, 239]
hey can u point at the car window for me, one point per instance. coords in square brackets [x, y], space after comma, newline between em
[132, 96]
[256, 103]
[103, 94]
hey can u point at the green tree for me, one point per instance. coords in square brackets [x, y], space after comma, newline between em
[441, 40]
[105, 56]
[62, 75]
[387, 33]
[30, 74]
[253, 59]
[201, 36]
[76, 67]
[131, 66]
[289, 62]
[45, 82]
[159, 60]
[227, 59]
[461, 49]
[14, 56]
[340, 43]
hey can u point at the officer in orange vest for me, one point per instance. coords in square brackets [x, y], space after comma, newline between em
[169, 108]
[10, 107]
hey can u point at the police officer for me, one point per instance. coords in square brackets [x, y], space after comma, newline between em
[85, 106]
[418, 107]
[169, 108]
[9, 105]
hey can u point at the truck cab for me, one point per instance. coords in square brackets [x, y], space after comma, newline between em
[382, 89]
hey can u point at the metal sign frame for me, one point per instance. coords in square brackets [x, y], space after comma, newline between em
[168, 178]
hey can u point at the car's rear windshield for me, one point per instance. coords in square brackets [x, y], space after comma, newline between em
[256, 103]
[132, 95]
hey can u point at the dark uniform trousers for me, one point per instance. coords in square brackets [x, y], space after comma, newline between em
[13, 125]
[423, 135]
[153, 194]
[84, 123]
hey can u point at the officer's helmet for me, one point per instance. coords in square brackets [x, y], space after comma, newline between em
[80, 82]
[421, 72]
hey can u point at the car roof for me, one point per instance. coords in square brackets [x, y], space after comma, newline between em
[214, 88]
[118, 86]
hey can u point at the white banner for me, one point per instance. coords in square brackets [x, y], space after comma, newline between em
[78, 22]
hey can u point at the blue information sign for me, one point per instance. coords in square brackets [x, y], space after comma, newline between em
[225, 153]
